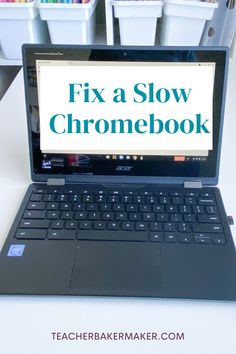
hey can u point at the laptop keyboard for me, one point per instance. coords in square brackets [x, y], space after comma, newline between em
[159, 216]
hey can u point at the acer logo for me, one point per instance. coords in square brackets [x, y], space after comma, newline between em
[124, 168]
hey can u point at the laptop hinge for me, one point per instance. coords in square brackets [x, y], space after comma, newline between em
[192, 184]
[56, 182]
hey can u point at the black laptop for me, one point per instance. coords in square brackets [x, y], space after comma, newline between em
[115, 224]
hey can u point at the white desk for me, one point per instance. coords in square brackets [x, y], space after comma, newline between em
[26, 323]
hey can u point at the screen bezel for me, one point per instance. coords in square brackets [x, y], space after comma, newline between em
[214, 54]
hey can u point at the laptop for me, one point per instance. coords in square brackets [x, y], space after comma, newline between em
[121, 223]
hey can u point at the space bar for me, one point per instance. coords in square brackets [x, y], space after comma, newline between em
[113, 235]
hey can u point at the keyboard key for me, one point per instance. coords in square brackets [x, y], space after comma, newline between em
[113, 235]
[74, 198]
[211, 228]
[206, 201]
[171, 209]
[80, 216]
[71, 225]
[208, 218]
[146, 193]
[34, 214]
[211, 209]
[170, 227]
[121, 216]
[176, 194]
[155, 226]
[62, 198]
[141, 226]
[198, 209]
[68, 191]
[34, 224]
[177, 200]
[161, 194]
[61, 234]
[107, 216]
[185, 238]
[99, 225]
[218, 240]
[53, 191]
[100, 199]
[184, 227]
[158, 208]
[191, 194]
[176, 218]
[138, 200]
[49, 198]
[203, 240]
[151, 200]
[127, 226]
[118, 207]
[113, 225]
[113, 199]
[94, 216]
[171, 237]
[87, 198]
[65, 206]
[131, 207]
[53, 215]
[148, 217]
[185, 209]
[57, 224]
[52, 206]
[92, 207]
[36, 197]
[36, 206]
[67, 215]
[206, 195]
[134, 217]
[164, 200]
[189, 218]
[144, 208]
[39, 191]
[31, 234]
[85, 225]
[78, 207]
[162, 217]
[156, 236]
[190, 201]
[105, 207]
[127, 199]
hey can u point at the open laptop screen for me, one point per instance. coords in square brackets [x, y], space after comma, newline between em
[110, 160]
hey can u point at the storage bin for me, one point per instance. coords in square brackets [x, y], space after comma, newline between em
[137, 21]
[183, 21]
[20, 23]
[70, 23]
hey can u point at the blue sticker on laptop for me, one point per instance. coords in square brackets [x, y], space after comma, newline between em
[16, 250]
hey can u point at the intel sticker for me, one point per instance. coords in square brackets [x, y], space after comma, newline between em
[16, 250]
[46, 164]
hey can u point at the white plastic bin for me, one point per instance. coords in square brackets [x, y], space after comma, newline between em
[20, 23]
[70, 23]
[183, 21]
[137, 21]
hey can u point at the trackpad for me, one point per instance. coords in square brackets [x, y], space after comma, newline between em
[117, 269]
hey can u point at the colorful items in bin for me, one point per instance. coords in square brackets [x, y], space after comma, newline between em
[70, 23]
[17, 1]
[137, 20]
[64, 1]
[20, 23]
